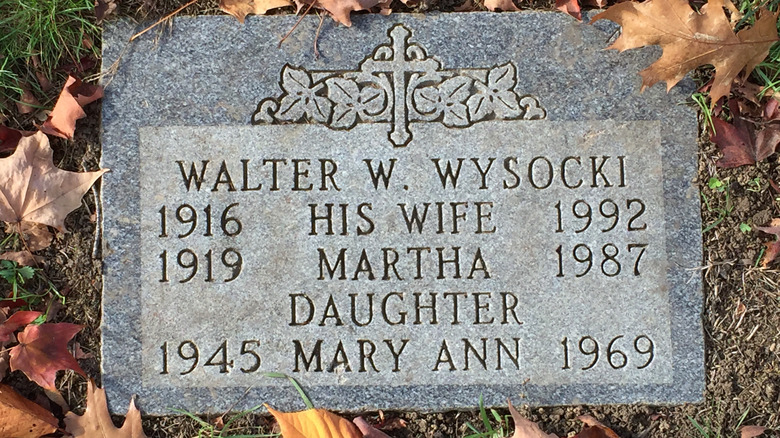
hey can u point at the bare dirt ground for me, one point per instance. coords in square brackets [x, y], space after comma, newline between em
[741, 317]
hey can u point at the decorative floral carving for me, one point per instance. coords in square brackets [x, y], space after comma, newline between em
[352, 102]
[398, 84]
[497, 96]
[448, 99]
[300, 98]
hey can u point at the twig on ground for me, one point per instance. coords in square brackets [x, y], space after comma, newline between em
[98, 225]
[161, 20]
[317, 36]
[296, 24]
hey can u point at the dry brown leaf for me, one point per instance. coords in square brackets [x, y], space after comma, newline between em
[22, 258]
[314, 423]
[368, 430]
[104, 8]
[502, 5]
[74, 95]
[43, 81]
[21, 418]
[525, 428]
[241, 8]
[594, 429]
[96, 421]
[340, 9]
[4, 359]
[751, 431]
[27, 102]
[32, 189]
[570, 7]
[772, 248]
[35, 236]
[595, 3]
[467, 6]
[690, 39]
[3, 351]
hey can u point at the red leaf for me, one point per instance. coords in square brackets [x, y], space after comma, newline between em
[43, 350]
[75, 94]
[737, 142]
[15, 322]
[10, 137]
[570, 7]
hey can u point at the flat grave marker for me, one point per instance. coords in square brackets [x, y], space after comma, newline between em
[436, 208]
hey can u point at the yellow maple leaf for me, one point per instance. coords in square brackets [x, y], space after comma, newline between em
[314, 423]
[690, 39]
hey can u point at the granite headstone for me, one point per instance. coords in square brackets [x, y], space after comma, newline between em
[430, 209]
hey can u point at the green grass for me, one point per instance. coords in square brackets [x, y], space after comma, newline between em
[500, 430]
[209, 430]
[767, 73]
[54, 31]
[708, 428]
[718, 187]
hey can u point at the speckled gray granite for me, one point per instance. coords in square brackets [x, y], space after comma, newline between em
[532, 234]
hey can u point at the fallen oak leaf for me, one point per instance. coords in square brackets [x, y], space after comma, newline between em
[15, 322]
[32, 189]
[96, 421]
[74, 95]
[21, 418]
[314, 423]
[772, 248]
[525, 428]
[690, 39]
[241, 8]
[43, 350]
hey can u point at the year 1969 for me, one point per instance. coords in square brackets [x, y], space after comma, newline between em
[641, 355]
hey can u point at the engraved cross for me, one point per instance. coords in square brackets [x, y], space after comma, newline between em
[400, 64]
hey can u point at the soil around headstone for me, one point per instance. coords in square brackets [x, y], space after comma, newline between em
[741, 317]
